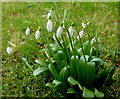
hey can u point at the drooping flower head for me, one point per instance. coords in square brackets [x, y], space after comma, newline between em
[49, 24]
[71, 30]
[9, 50]
[83, 25]
[93, 40]
[81, 34]
[49, 13]
[37, 34]
[59, 30]
[27, 31]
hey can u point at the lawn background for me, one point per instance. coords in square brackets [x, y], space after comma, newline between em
[17, 78]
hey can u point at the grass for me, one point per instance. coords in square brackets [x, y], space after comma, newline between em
[17, 78]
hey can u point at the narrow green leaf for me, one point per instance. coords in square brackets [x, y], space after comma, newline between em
[83, 59]
[56, 82]
[98, 93]
[71, 90]
[87, 93]
[51, 85]
[73, 67]
[73, 82]
[63, 75]
[97, 59]
[53, 71]
[39, 70]
[90, 73]
[61, 87]
[87, 48]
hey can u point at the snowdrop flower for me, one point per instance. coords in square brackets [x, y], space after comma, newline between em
[83, 25]
[49, 25]
[93, 40]
[37, 61]
[37, 34]
[9, 50]
[81, 33]
[59, 30]
[71, 30]
[49, 13]
[24, 59]
[27, 32]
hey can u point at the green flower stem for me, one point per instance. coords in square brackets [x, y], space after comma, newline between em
[58, 42]
[66, 50]
[71, 43]
[81, 44]
[63, 48]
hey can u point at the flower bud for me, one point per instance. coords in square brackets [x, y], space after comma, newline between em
[27, 32]
[49, 25]
[59, 31]
[93, 40]
[71, 31]
[9, 50]
[81, 34]
[83, 25]
[37, 34]
[49, 13]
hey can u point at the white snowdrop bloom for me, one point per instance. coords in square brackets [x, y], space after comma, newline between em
[9, 50]
[37, 61]
[49, 14]
[93, 40]
[81, 33]
[83, 25]
[59, 31]
[24, 59]
[27, 32]
[88, 23]
[71, 31]
[49, 25]
[37, 34]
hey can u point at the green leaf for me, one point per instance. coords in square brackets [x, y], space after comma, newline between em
[73, 82]
[98, 93]
[56, 82]
[59, 56]
[51, 85]
[90, 73]
[53, 70]
[103, 74]
[82, 72]
[54, 47]
[87, 93]
[109, 79]
[61, 87]
[112, 71]
[97, 60]
[63, 75]
[39, 70]
[65, 14]
[86, 48]
[73, 67]
[83, 59]
[80, 51]
[71, 90]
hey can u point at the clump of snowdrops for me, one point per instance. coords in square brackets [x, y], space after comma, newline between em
[76, 66]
